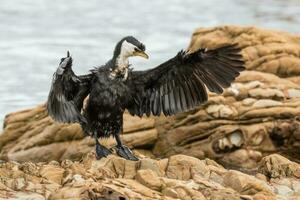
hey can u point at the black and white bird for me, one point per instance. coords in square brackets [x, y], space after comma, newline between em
[177, 85]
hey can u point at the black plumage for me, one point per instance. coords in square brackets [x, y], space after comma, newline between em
[176, 85]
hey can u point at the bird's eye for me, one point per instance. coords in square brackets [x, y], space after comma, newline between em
[136, 49]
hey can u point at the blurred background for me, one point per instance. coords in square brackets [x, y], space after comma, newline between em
[35, 34]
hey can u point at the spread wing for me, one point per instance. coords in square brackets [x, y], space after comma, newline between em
[180, 83]
[67, 93]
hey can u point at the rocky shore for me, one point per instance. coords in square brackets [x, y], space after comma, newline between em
[176, 177]
[252, 131]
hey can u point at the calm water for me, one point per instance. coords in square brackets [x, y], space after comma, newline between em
[34, 34]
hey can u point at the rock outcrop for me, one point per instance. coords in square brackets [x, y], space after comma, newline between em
[257, 116]
[270, 51]
[31, 135]
[176, 177]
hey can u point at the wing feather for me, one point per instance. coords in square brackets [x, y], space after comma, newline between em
[67, 93]
[180, 83]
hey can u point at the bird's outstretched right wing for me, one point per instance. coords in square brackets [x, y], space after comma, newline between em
[67, 93]
[180, 83]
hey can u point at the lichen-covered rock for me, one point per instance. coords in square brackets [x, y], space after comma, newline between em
[180, 177]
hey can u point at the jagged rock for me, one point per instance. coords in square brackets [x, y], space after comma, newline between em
[277, 166]
[46, 172]
[245, 184]
[149, 178]
[180, 177]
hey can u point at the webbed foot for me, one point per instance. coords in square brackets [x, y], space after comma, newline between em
[101, 151]
[126, 153]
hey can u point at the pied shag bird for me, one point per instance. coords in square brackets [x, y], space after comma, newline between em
[175, 86]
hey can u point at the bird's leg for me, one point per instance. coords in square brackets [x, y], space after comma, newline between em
[124, 151]
[101, 151]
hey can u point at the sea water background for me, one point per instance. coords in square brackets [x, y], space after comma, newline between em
[35, 34]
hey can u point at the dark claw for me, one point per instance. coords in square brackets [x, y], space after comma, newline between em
[101, 151]
[126, 153]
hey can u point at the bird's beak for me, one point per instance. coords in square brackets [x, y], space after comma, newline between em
[141, 53]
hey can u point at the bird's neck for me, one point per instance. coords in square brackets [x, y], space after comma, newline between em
[121, 67]
[122, 61]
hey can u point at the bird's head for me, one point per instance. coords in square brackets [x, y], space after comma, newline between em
[130, 46]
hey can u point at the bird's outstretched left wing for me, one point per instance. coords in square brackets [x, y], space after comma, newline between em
[179, 84]
[67, 93]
